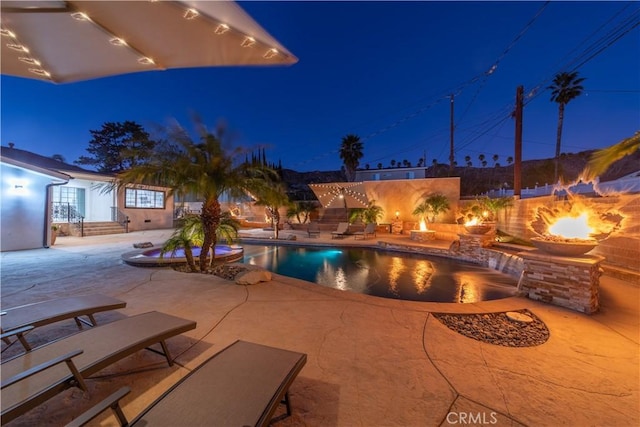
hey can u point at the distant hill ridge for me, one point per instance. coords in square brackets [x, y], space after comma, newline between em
[476, 180]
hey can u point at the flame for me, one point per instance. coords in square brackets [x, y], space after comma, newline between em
[423, 225]
[577, 217]
[473, 221]
[572, 227]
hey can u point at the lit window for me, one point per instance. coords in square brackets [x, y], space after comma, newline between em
[147, 199]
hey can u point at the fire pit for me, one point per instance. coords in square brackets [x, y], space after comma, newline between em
[477, 228]
[568, 247]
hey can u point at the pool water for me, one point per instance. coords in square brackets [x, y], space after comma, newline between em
[384, 274]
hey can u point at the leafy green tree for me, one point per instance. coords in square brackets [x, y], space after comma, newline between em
[117, 147]
[431, 206]
[565, 87]
[351, 153]
[205, 168]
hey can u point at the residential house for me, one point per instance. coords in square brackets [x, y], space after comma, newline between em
[39, 191]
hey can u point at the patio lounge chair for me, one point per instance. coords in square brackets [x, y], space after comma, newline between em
[55, 310]
[241, 385]
[341, 231]
[313, 229]
[369, 230]
[32, 378]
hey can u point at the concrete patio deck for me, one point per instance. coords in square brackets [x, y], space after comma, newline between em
[371, 361]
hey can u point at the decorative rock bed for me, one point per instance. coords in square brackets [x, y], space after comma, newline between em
[509, 329]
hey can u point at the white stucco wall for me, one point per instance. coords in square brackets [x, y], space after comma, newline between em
[22, 210]
[97, 205]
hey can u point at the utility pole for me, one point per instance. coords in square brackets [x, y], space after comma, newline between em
[451, 138]
[517, 165]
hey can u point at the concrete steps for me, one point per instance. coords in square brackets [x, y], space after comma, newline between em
[98, 229]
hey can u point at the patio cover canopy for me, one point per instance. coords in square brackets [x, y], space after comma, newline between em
[67, 41]
[346, 195]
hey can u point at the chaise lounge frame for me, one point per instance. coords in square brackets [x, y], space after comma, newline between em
[101, 347]
[55, 310]
[369, 230]
[242, 385]
[341, 231]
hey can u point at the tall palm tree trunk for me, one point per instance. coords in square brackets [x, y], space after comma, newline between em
[210, 220]
[558, 140]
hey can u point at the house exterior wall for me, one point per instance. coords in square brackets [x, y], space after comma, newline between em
[390, 174]
[22, 219]
[97, 205]
[148, 219]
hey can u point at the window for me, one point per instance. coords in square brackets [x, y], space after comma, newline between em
[410, 175]
[67, 202]
[149, 199]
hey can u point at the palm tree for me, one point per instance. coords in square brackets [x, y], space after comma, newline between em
[272, 196]
[509, 159]
[185, 237]
[481, 158]
[351, 153]
[495, 158]
[301, 211]
[467, 160]
[204, 168]
[191, 234]
[431, 207]
[371, 214]
[565, 87]
[379, 165]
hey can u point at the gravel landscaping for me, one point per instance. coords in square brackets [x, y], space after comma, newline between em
[498, 328]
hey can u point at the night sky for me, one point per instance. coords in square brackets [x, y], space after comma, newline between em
[384, 71]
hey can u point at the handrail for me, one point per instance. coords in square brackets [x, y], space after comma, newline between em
[118, 216]
[65, 212]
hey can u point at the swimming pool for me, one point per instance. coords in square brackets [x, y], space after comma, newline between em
[384, 274]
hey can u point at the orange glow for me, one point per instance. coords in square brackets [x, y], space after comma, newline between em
[572, 227]
[423, 225]
[473, 221]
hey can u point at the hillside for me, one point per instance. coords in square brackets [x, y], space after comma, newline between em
[478, 180]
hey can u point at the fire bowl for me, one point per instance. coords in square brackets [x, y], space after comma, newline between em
[477, 229]
[564, 248]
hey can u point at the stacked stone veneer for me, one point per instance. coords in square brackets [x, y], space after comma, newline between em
[571, 282]
[510, 264]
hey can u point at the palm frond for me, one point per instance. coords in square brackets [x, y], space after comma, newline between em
[602, 159]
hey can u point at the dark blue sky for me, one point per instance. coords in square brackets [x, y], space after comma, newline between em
[381, 70]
